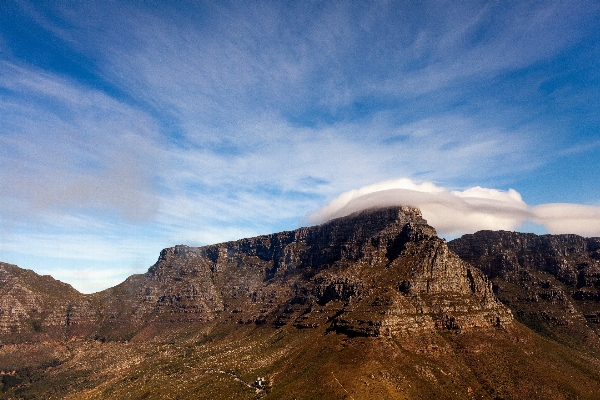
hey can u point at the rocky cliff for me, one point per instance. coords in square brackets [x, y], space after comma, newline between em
[550, 282]
[370, 306]
[372, 273]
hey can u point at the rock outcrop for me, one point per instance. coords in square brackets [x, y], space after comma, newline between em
[550, 282]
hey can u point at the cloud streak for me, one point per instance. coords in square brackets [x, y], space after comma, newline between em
[67, 146]
[454, 213]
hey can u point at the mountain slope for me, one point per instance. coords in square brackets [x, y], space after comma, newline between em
[216, 361]
[34, 307]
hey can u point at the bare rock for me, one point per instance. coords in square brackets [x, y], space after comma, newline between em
[550, 282]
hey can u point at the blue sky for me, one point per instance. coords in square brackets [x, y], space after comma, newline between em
[130, 126]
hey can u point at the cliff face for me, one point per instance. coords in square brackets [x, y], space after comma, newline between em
[550, 282]
[372, 273]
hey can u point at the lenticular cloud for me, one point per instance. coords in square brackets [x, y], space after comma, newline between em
[568, 218]
[455, 213]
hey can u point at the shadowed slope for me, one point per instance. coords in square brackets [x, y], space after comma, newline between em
[550, 282]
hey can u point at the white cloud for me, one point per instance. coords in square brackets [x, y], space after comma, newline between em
[568, 218]
[454, 213]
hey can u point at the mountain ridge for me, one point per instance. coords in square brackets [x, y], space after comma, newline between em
[375, 298]
[323, 267]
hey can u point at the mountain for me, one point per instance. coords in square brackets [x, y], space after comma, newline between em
[372, 305]
[550, 282]
[34, 306]
[370, 274]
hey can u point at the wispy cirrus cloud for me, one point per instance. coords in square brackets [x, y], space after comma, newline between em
[488, 40]
[305, 57]
[66, 146]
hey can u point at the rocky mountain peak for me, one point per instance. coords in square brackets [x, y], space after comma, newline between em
[370, 273]
[356, 228]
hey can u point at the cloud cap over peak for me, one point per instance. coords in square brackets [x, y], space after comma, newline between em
[454, 213]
